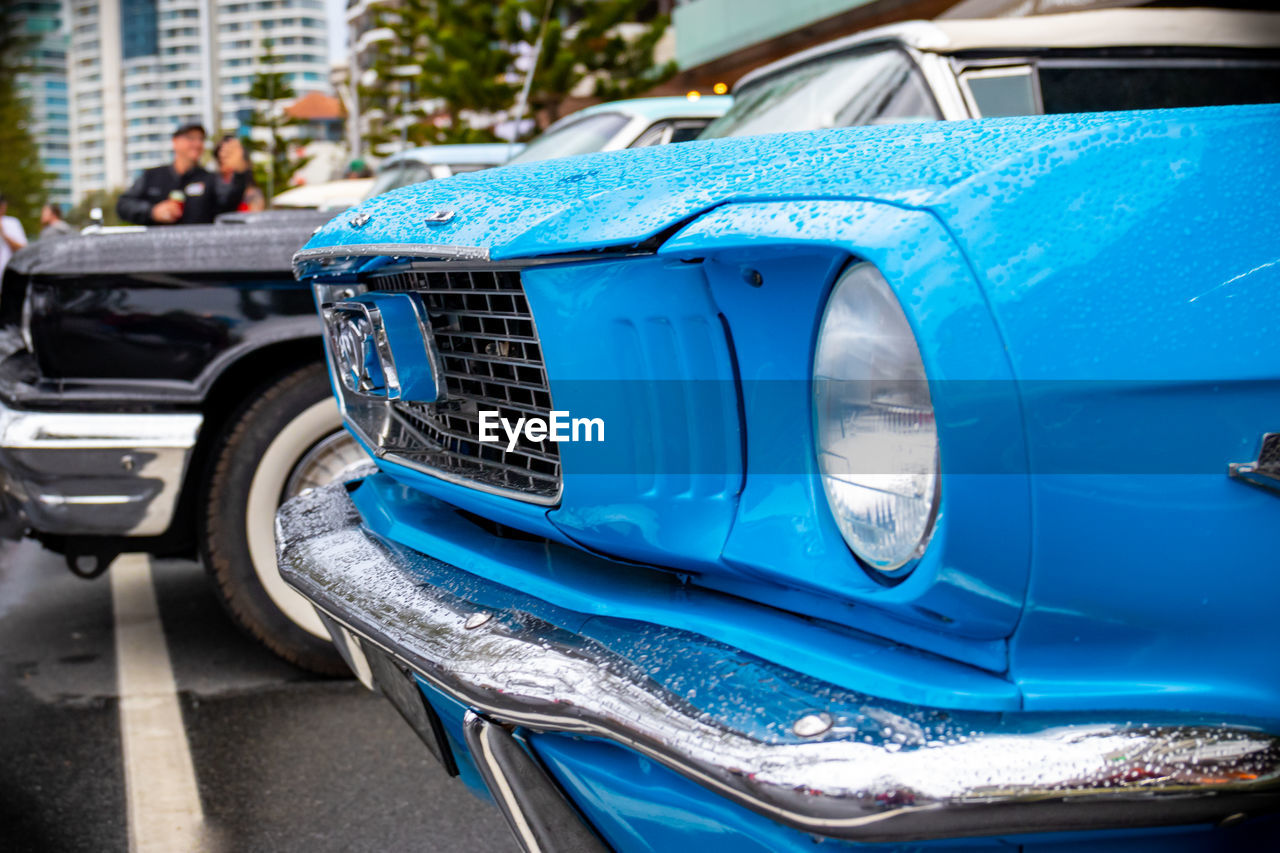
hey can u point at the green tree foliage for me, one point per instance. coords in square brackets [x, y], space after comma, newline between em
[104, 199]
[597, 41]
[451, 68]
[23, 179]
[447, 60]
[271, 92]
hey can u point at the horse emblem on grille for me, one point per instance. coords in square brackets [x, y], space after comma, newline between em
[380, 345]
[361, 371]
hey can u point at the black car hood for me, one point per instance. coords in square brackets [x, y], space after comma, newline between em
[263, 242]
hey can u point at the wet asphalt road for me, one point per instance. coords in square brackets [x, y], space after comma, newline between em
[282, 761]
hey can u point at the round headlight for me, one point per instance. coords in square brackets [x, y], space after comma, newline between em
[873, 420]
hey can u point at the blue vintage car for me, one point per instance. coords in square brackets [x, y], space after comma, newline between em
[912, 485]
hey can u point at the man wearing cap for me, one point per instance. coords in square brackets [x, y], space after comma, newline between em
[182, 192]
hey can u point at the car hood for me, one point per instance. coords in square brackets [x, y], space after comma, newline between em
[253, 242]
[624, 199]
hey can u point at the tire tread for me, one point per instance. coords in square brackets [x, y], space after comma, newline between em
[318, 657]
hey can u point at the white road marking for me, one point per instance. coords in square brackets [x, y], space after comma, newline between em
[160, 780]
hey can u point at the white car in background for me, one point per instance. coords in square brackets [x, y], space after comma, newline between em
[414, 165]
[433, 162]
[635, 123]
[330, 195]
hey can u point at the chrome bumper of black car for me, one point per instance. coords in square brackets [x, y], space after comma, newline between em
[850, 766]
[95, 474]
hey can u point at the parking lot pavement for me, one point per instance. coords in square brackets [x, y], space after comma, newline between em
[258, 756]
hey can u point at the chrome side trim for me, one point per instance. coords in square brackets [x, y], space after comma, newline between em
[875, 771]
[96, 431]
[540, 817]
[95, 474]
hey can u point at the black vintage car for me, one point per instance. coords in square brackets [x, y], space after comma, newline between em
[163, 390]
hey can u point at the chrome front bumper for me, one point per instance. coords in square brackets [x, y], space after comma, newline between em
[95, 474]
[807, 754]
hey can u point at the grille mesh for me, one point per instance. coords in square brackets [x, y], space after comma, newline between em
[1269, 456]
[492, 361]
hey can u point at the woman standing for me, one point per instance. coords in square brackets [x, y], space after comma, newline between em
[231, 161]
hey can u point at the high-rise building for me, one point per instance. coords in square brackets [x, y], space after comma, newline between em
[298, 32]
[138, 69]
[167, 71]
[97, 116]
[45, 87]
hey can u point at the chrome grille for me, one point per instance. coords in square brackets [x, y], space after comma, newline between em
[491, 361]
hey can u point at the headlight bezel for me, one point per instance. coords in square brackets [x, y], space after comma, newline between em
[966, 593]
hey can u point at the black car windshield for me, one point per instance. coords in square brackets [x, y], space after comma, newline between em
[581, 136]
[876, 86]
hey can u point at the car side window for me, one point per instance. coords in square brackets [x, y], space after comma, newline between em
[576, 136]
[1007, 91]
[414, 173]
[388, 179]
[1086, 85]
[686, 130]
[656, 134]
[670, 132]
[1134, 85]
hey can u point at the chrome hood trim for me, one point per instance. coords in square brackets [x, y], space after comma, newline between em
[807, 754]
[329, 260]
[391, 258]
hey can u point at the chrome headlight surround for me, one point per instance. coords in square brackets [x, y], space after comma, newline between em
[28, 311]
[874, 431]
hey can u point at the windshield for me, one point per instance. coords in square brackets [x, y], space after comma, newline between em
[399, 174]
[878, 86]
[583, 136]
